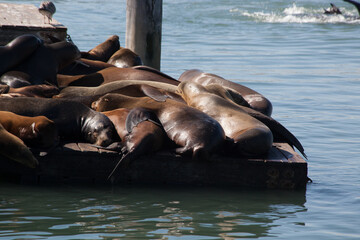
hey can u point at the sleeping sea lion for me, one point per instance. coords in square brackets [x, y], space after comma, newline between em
[103, 51]
[280, 133]
[40, 91]
[16, 51]
[194, 131]
[84, 66]
[141, 133]
[14, 149]
[112, 74]
[251, 137]
[254, 99]
[134, 88]
[75, 121]
[43, 65]
[36, 132]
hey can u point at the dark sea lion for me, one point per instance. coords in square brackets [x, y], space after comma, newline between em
[332, 10]
[140, 131]
[251, 137]
[194, 131]
[42, 66]
[156, 90]
[37, 132]
[280, 133]
[75, 121]
[42, 90]
[15, 79]
[17, 51]
[103, 51]
[255, 99]
[124, 58]
[14, 149]
[112, 74]
[84, 66]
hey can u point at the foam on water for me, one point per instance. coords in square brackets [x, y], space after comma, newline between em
[296, 14]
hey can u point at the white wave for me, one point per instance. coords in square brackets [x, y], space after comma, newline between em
[295, 14]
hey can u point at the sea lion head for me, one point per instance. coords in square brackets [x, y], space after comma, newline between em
[98, 129]
[189, 89]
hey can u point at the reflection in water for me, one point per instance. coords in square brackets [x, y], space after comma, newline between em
[81, 213]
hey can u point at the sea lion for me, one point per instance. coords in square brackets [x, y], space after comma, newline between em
[43, 65]
[37, 132]
[141, 133]
[84, 66]
[16, 51]
[15, 79]
[103, 51]
[75, 121]
[255, 99]
[124, 58]
[251, 137]
[194, 131]
[280, 133]
[112, 74]
[332, 10]
[156, 90]
[42, 90]
[14, 149]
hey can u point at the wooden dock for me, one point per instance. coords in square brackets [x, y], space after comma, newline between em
[81, 163]
[19, 19]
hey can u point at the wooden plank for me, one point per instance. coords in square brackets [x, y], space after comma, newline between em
[18, 19]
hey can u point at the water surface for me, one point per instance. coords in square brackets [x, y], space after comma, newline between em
[305, 62]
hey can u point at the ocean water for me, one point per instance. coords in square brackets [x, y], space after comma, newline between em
[305, 62]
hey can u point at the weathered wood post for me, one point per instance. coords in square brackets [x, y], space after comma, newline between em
[143, 30]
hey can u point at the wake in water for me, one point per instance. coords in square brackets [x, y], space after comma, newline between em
[295, 14]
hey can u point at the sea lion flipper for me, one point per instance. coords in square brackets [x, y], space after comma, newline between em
[154, 93]
[138, 115]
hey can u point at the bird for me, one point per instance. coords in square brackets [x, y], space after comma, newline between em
[47, 9]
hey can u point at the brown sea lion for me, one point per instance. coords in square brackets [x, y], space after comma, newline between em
[75, 121]
[42, 90]
[103, 51]
[84, 66]
[255, 100]
[37, 132]
[156, 90]
[124, 58]
[280, 133]
[14, 149]
[112, 74]
[16, 51]
[251, 137]
[42, 66]
[141, 133]
[194, 131]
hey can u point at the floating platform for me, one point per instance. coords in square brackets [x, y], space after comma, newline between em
[282, 168]
[19, 19]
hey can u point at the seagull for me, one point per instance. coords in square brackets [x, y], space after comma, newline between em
[47, 9]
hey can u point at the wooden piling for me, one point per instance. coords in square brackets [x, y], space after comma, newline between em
[143, 30]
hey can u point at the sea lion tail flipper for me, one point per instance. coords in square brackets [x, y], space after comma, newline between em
[138, 115]
[154, 93]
